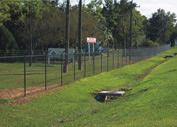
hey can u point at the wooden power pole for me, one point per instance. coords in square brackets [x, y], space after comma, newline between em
[80, 36]
[65, 69]
[131, 16]
[131, 20]
[30, 34]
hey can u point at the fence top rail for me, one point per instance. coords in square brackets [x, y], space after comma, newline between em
[3, 57]
[84, 53]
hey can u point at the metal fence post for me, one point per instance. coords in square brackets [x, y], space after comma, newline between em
[113, 60]
[107, 59]
[61, 69]
[126, 58]
[93, 64]
[74, 69]
[122, 57]
[135, 53]
[101, 62]
[45, 71]
[139, 55]
[84, 64]
[134, 58]
[24, 75]
[118, 59]
[129, 51]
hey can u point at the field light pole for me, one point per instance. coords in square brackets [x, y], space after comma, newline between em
[65, 69]
[80, 36]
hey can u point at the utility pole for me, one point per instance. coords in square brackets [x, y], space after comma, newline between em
[80, 36]
[30, 35]
[131, 17]
[65, 69]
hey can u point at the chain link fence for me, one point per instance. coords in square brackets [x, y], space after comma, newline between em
[19, 78]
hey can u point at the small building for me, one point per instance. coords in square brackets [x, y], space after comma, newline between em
[175, 41]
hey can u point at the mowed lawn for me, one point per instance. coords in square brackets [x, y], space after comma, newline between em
[150, 102]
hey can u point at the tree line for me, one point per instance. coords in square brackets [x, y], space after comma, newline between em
[41, 24]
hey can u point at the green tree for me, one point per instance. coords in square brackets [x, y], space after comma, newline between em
[138, 29]
[8, 41]
[19, 12]
[173, 36]
[160, 26]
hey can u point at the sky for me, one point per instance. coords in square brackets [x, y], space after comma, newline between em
[147, 7]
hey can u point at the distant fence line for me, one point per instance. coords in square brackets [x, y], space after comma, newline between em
[39, 52]
[16, 73]
[20, 52]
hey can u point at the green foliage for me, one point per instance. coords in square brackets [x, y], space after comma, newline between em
[149, 43]
[108, 22]
[173, 36]
[160, 26]
[15, 13]
[117, 15]
[95, 10]
[7, 40]
[4, 15]
[18, 10]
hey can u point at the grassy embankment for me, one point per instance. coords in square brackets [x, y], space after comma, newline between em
[151, 102]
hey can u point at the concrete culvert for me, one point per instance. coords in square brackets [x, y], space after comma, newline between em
[108, 95]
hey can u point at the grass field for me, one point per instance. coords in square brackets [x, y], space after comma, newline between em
[151, 101]
[12, 74]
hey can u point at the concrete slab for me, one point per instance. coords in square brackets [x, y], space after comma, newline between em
[112, 93]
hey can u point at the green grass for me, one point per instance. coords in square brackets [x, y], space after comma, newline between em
[152, 102]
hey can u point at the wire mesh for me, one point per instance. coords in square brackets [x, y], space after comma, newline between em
[46, 72]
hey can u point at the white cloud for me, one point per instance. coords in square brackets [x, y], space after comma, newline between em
[150, 6]
[147, 7]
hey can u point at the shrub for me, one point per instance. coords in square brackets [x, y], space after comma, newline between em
[149, 43]
[7, 40]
